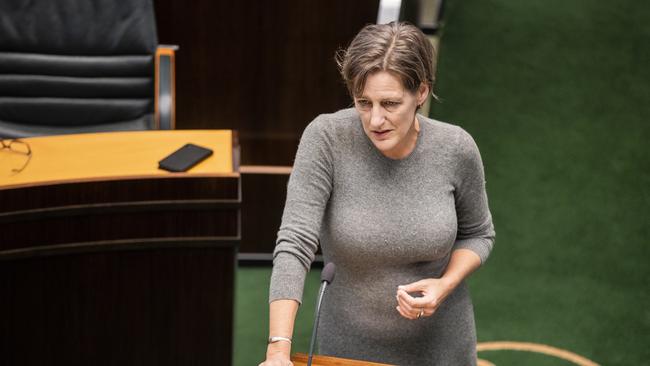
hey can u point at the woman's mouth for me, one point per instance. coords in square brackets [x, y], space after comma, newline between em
[382, 134]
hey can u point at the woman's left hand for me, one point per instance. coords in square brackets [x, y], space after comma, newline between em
[434, 291]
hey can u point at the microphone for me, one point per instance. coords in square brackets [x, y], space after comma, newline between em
[326, 277]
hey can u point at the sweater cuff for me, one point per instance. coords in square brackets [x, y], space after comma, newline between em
[482, 247]
[287, 278]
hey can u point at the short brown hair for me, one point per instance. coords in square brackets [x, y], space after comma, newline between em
[398, 47]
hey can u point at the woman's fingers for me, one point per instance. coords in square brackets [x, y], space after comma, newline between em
[433, 293]
[405, 314]
[413, 315]
[403, 302]
[426, 301]
[406, 309]
[415, 307]
[423, 302]
[413, 287]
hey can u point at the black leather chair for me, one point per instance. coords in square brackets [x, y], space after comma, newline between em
[76, 66]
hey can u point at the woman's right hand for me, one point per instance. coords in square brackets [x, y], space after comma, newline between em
[282, 314]
[277, 354]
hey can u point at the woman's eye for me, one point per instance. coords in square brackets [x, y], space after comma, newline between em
[390, 104]
[363, 103]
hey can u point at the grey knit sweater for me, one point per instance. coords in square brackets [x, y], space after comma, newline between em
[384, 223]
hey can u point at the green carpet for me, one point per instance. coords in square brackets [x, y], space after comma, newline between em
[556, 94]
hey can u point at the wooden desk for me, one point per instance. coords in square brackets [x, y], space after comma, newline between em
[106, 260]
[115, 155]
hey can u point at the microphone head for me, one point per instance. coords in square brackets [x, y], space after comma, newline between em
[328, 273]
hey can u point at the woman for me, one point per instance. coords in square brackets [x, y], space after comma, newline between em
[397, 201]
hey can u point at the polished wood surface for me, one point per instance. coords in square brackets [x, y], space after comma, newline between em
[106, 260]
[300, 359]
[112, 155]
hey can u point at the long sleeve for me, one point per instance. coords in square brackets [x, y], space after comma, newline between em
[475, 228]
[308, 192]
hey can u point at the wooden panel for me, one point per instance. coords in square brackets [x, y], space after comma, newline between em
[262, 208]
[104, 260]
[83, 228]
[142, 307]
[265, 68]
[179, 188]
[85, 212]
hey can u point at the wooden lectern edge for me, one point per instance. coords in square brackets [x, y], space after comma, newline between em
[265, 169]
[300, 359]
[123, 177]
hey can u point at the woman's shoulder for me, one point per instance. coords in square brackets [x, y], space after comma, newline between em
[339, 119]
[445, 134]
[440, 128]
[455, 140]
[334, 127]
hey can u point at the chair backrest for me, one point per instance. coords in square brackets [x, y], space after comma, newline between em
[72, 66]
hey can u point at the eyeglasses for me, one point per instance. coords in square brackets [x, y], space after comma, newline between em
[18, 147]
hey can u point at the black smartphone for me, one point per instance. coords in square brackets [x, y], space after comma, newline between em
[184, 158]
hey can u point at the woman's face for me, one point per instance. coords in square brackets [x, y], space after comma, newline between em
[387, 112]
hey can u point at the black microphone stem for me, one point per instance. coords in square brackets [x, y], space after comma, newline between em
[316, 318]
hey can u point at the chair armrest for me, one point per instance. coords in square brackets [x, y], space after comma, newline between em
[165, 85]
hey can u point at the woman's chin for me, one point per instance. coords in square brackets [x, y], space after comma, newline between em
[384, 146]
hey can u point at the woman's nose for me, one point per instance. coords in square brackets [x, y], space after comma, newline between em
[376, 117]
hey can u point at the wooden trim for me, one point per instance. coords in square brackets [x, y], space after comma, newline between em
[156, 108]
[265, 169]
[300, 359]
[125, 177]
[171, 53]
[112, 207]
[119, 245]
[236, 151]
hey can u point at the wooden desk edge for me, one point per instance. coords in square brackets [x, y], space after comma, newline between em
[300, 359]
[122, 177]
[229, 242]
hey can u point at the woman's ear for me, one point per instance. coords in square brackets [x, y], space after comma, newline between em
[423, 93]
